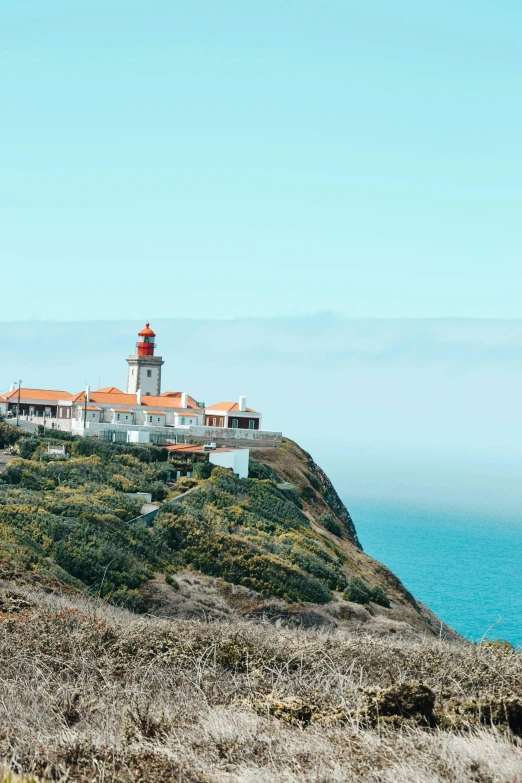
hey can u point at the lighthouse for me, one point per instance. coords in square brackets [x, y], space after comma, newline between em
[144, 367]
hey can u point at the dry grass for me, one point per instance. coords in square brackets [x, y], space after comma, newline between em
[92, 693]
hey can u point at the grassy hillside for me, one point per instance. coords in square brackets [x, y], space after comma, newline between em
[92, 693]
[318, 666]
[283, 534]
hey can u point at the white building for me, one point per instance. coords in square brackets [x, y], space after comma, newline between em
[141, 414]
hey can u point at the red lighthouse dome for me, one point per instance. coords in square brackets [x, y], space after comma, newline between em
[146, 339]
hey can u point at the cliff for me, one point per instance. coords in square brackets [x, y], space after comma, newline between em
[279, 650]
[278, 545]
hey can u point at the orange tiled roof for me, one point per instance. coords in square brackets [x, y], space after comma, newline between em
[156, 413]
[192, 403]
[122, 410]
[110, 390]
[92, 408]
[120, 398]
[51, 395]
[231, 407]
[189, 448]
[184, 413]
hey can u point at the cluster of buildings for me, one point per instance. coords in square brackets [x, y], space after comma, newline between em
[142, 413]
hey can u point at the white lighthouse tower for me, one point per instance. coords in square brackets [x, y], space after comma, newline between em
[145, 368]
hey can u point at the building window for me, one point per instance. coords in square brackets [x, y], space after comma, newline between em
[221, 423]
[250, 425]
[182, 420]
[235, 424]
[150, 419]
[117, 417]
[149, 373]
[214, 422]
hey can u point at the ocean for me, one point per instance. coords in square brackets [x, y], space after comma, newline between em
[466, 566]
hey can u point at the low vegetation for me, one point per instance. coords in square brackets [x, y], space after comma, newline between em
[93, 693]
[73, 518]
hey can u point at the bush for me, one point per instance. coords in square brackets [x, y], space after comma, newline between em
[203, 470]
[230, 557]
[378, 596]
[170, 580]
[331, 525]
[9, 435]
[260, 471]
[357, 591]
[185, 483]
[361, 593]
[27, 447]
[60, 435]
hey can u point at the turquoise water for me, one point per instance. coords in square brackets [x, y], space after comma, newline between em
[467, 567]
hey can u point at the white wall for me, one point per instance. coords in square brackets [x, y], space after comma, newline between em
[138, 436]
[208, 434]
[237, 460]
[138, 378]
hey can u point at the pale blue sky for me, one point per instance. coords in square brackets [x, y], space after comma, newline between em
[229, 157]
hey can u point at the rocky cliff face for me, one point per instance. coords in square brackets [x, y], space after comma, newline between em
[308, 489]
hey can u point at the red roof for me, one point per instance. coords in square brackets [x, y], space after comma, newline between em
[192, 403]
[231, 407]
[156, 413]
[120, 398]
[147, 332]
[123, 410]
[187, 448]
[110, 390]
[47, 395]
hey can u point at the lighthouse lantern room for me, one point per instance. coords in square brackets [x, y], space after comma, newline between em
[144, 367]
[145, 345]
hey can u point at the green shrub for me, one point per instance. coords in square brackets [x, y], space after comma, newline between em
[230, 557]
[170, 580]
[61, 435]
[203, 470]
[361, 593]
[27, 447]
[9, 435]
[357, 591]
[260, 471]
[378, 596]
[331, 525]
